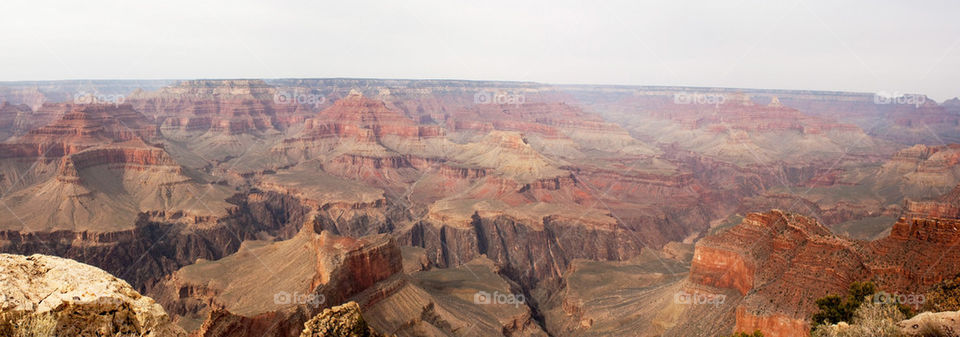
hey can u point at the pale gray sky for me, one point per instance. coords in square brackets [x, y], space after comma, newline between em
[878, 45]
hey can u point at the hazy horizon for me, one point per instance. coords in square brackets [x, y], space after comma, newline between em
[797, 45]
[427, 168]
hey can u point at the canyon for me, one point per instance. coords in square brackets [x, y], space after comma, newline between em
[249, 207]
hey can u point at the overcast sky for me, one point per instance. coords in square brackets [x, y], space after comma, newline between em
[878, 45]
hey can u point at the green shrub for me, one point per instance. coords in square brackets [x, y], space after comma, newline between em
[835, 309]
[756, 333]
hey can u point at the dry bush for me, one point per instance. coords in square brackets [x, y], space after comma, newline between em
[869, 320]
[16, 324]
[944, 296]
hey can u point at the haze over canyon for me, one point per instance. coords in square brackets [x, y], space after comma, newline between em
[289, 207]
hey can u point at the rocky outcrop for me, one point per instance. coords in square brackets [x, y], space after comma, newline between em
[945, 324]
[343, 320]
[45, 295]
[783, 262]
[722, 269]
[776, 260]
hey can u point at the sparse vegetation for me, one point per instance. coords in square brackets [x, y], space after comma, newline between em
[756, 333]
[869, 320]
[945, 296]
[836, 308]
[18, 324]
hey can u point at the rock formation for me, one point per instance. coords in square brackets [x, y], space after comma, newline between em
[923, 171]
[228, 106]
[15, 119]
[265, 289]
[343, 320]
[464, 300]
[780, 262]
[99, 165]
[932, 323]
[44, 296]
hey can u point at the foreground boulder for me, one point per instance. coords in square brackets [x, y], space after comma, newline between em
[45, 296]
[340, 321]
[945, 323]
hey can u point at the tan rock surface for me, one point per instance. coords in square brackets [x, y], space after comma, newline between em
[46, 295]
[946, 323]
[340, 321]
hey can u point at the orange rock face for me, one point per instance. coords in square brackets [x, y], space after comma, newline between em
[722, 269]
[783, 262]
[930, 220]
